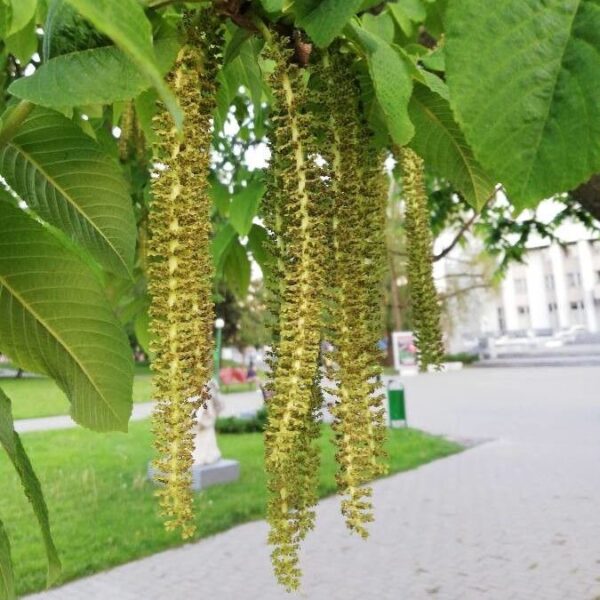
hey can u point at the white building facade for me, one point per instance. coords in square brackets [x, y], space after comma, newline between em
[555, 289]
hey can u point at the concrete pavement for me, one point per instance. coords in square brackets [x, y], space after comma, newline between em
[516, 518]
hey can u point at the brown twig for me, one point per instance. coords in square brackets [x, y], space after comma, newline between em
[455, 293]
[467, 275]
[465, 227]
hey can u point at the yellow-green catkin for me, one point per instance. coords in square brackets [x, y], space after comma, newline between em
[423, 294]
[127, 125]
[294, 205]
[131, 144]
[354, 306]
[180, 271]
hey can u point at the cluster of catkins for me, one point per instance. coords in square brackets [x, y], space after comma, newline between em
[325, 211]
[325, 208]
[180, 270]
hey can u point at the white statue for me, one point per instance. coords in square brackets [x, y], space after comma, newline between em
[206, 451]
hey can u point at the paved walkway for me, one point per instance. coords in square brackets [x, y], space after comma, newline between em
[517, 518]
[235, 405]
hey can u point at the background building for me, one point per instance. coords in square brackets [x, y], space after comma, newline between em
[555, 289]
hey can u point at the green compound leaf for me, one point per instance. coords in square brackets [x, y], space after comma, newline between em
[7, 578]
[434, 83]
[258, 244]
[220, 246]
[324, 20]
[220, 196]
[392, 82]
[141, 326]
[22, 12]
[414, 9]
[126, 24]
[440, 143]
[381, 25]
[372, 111]
[244, 207]
[97, 76]
[242, 70]
[66, 178]
[11, 443]
[407, 14]
[272, 6]
[23, 43]
[55, 319]
[237, 269]
[524, 84]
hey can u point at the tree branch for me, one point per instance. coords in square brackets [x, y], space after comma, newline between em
[470, 275]
[588, 195]
[463, 261]
[465, 227]
[465, 290]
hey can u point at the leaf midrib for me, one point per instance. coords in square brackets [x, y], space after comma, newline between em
[68, 199]
[55, 336]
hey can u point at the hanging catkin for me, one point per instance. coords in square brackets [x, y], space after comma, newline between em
[423, 295]
[354, 295]
[294, 211]
[127, 125]
[180, 271]
[131, 144]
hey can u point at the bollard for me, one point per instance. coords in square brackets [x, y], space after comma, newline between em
[396, 403]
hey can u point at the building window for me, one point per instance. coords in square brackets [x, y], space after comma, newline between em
[552, 307]
[549, 281]
[521, 285]
[577, 312]
[523, 310]
[501, 321]
[598, 276]
[574, 280]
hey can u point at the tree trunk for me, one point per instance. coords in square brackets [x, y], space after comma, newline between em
[588, 195]
[396, 316]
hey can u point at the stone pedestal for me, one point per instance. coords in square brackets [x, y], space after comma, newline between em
[223, 471]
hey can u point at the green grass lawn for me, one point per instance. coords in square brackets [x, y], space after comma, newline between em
[102, 508]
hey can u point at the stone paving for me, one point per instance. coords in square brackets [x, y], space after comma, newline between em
[515, 518]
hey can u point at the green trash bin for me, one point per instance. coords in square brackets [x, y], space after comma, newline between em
[396, 403]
